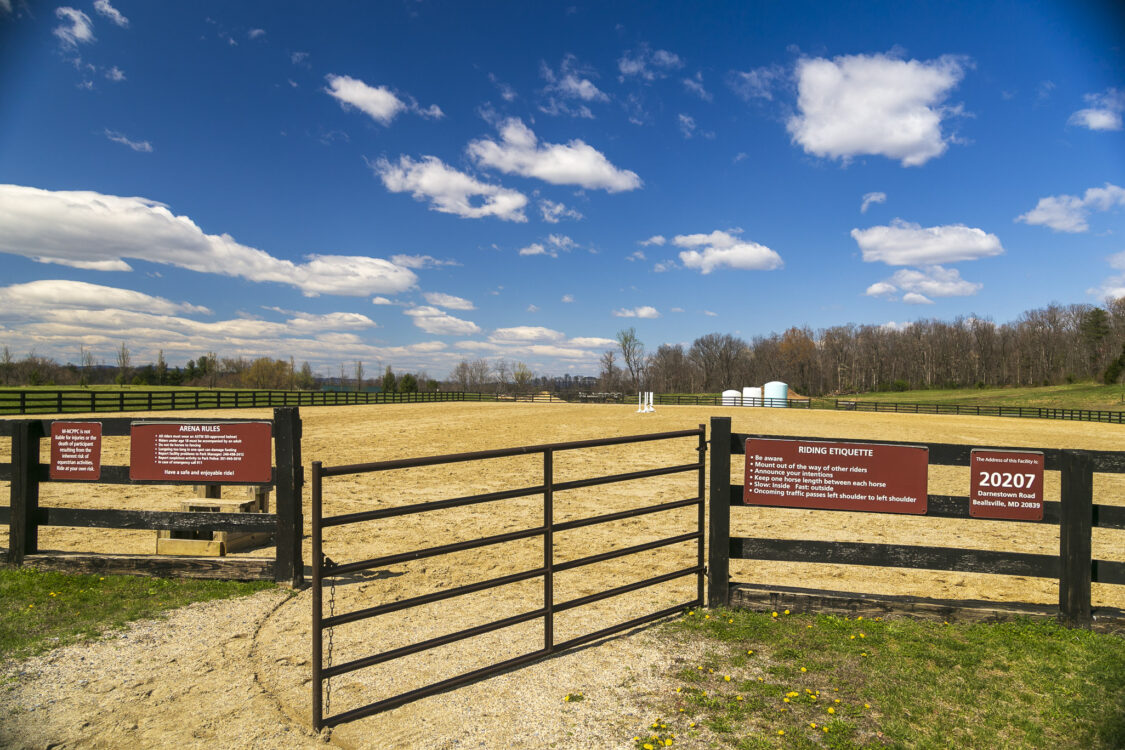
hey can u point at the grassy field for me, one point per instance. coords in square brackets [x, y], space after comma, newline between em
[799, 681]
[44, 610]
[1073, 396]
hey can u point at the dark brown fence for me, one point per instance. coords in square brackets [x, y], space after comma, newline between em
[1074, 567]
[24, 515]
[323, 569]
[1025, 412]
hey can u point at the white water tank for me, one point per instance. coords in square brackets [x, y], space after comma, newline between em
[732, 398]
[751, 396]
[776, 394]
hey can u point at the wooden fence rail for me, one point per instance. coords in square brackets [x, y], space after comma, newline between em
[24, 516]
[1075, 568]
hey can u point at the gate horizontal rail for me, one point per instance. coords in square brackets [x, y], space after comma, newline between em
[323, 568]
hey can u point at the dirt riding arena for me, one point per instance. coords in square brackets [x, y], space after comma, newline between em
[236, 674]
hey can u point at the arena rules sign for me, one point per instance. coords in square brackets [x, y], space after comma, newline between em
[1006, 484]
[195, 452]
[836, 476]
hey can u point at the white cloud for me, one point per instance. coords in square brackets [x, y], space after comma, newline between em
[256, 33]
[710, 314]
[568, 298]
[381, 301]
[450, 191]
[687, 125]
[644, 311]
[299, 58]
[656, 239]
[666, 265]
[913, 298]
[1114, 286]
[433, 320]
[75, 28]
[142, 146]
[561, 241]
[719, 249]
[62, 294]
[870, 198]
[507, 93]
[874, 104]
[72, 227]
[525, 335]
[637, 255]
[448, 301]
[591, 342]
[115, 74]
[316, 322]
[536, 248]
[1068, 213]
[932, 281]
[575, 163]
[553, 212]
[695, 86]
[104, 8]
[1105, 114]
[570, 84]
[648, 64]
[533, 308]
[906, 244]
[378, 102]
[758, 83]
[421, 261]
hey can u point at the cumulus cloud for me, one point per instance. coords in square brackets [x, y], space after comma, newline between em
[568, 298]
[104, 8]
[644, 311]
[450, 191]
[870, 198]
[906, 244]
[874, 104]
[421, 261]
[913, 298]
[723, 249]
[115, 74]
[84, 227]
[695, 86]
[76, 27]
[1068, 213]
[536, 248]
[575, 163]
[378, 102]
[525, 335]
[656, 239]
[648, 64]
[141, 146]
[432, 320]
[1114, 286]
[448, 301]
[256, 33]
[570, 90]
[1104, 112]
[553, 212]
[63, 294]
[931, 281]
[636, 255]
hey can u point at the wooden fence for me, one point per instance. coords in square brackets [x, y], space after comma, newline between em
[24, 516]
[1074, 567]
[1025, 412]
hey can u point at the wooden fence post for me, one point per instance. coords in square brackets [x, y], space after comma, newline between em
[718, 552]
[23, 530]
[289, 566]
[1075, 556]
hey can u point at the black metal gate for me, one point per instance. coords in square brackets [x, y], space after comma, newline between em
[323, 569]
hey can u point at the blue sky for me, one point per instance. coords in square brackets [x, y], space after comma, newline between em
[416, 183]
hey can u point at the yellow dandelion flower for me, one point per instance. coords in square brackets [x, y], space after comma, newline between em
[691, 724]
[700, 668]
[867, 705]
[786, 700]
[861, 635]
[738, 697]
[773, 614]
[804, 670]
[812, 724]
[851, 637]
[647, 746]
[792, 694]
[836, 701]
[786, 611]
[750, 652]
[681, 710]
[780, 732]
[825, 728]
[706, 617]
[809, 627]
[730, 621]
[711, 671]
[566, 698]
[726, 678]
[691, 612]
[831, 710]
[859, 618]
[761, 679]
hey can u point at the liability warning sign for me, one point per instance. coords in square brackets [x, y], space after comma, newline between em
[196, 452]
[76, 451]
[1006, 484]
[836, 476]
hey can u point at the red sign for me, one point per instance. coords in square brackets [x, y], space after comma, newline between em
[196, 452]
[76, 450]
[1006, 484]
[836, 476]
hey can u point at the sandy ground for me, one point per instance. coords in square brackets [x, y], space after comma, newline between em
[237, 673]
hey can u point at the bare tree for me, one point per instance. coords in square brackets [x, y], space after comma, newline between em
[610, 375]
[633, 354]
[522, 376]
[6, 364]
[358, 375]
[124, 361]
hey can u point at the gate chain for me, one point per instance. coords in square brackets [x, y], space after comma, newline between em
[329, 564]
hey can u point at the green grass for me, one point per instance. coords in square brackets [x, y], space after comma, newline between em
[832, 682]
[42, 610]
[1074, 396]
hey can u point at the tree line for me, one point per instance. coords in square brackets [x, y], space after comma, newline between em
[1047, 346]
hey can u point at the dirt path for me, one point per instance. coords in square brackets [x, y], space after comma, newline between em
[235, 674]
